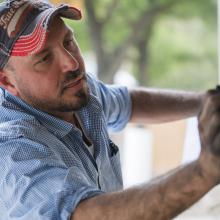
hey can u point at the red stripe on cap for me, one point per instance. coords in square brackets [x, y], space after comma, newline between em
[31, 37]
[32, 43]
[25, 51]
[31, 50]
[26, 44]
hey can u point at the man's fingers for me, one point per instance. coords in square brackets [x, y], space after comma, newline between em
[211, 103]
[209, 129]
[215, 147]
[209, 120]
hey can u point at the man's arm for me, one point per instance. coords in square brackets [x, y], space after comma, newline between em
[158, 106]
[168, 195]
[161, 199]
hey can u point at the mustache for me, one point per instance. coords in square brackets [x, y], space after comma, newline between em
[72, 75]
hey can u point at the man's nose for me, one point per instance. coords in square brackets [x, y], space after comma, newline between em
[68, 62]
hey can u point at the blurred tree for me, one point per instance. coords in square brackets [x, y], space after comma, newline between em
[183, 54]
[191, 49]
[118, 26]
[133, 20]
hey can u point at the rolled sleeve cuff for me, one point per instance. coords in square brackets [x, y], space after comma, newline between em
[123, 112]
[70, 199]
[59, 206]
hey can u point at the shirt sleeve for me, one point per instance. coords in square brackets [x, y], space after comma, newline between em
[115, 101]
[36, 184]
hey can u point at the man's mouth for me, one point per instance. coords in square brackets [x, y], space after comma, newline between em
[76, 83]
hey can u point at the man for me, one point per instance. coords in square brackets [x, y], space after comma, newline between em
[57, 161]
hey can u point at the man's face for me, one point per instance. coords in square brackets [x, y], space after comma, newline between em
[54, 79]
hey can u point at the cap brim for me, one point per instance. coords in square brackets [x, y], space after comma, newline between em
[34, 36]
[70, 13]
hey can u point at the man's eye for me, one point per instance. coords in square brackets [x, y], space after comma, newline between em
[69, 42]
[44, 59]
[70, 45]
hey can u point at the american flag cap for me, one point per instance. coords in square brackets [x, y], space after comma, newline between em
[24, 26]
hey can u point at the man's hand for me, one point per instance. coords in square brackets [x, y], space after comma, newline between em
[209, 129]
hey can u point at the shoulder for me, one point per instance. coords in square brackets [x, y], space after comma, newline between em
[15, 121]
[15, 129]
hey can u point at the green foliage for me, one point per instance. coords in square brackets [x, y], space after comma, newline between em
[183, 54]
[206, 10]
[126, 9]
[119, 27]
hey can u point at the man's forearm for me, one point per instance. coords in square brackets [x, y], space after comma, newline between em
[161, 199]
[158, 106]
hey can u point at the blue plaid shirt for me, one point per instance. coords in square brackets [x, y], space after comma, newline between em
[45, 167]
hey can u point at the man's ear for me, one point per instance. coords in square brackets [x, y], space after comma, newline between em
[6, 83]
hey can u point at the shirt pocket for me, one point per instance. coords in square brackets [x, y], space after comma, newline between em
[116, 164]
[113, 148]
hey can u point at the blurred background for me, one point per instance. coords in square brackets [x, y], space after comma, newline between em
[154, 43]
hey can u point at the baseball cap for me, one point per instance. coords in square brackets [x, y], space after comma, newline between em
[24, 26]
